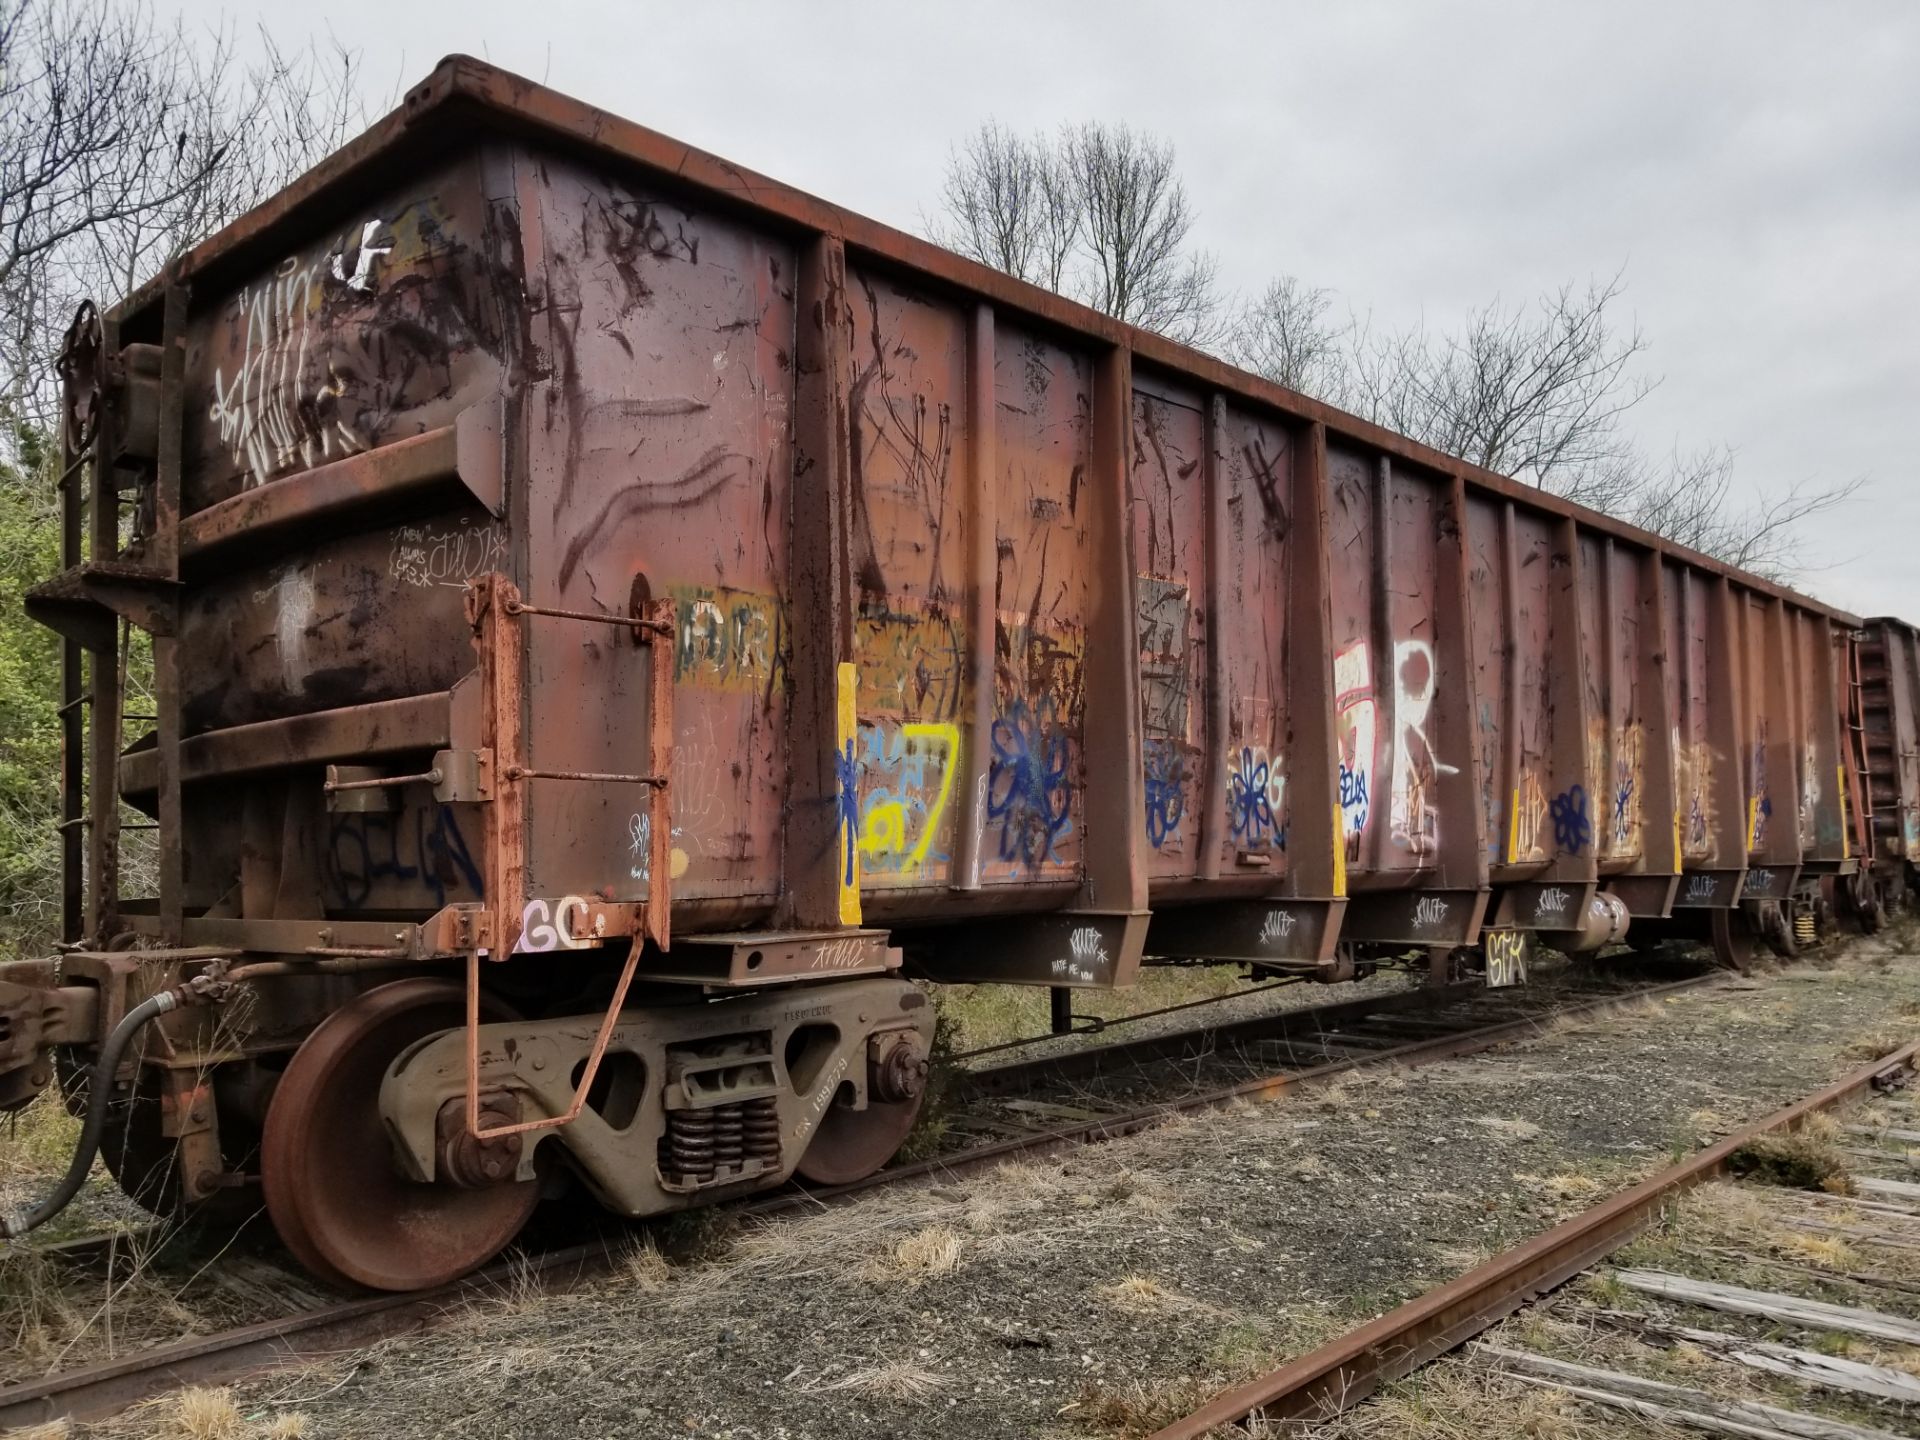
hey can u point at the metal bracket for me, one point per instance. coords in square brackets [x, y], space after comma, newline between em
[746, 960]
[465, 776]
[495, 611]
[85, 602]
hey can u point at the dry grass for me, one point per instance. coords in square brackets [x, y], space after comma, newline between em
[1512, 1129]
[197, 1413]
[1139, 1295]
[1144, 1295]
[1706, 1124]
[1757, 1235]
[1140, 1407]
[924, 1255]
[1805, 1159]
[984, 1015]
[38, 1140]
[1882, 1040]
[1566, 1187]
[54, 1314]
[647, 1268]
[1239, 1350]
[895, 1380]
[1828, 1251]
[1459, 1401]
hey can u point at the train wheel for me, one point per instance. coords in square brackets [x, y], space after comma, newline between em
[1773, 921]
[1732, 939]
[337, 1199]
[851, 1144]
[1867, 904]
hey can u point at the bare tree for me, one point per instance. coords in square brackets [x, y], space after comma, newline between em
[1008, 204]
[1539, 393]
[123, 141]
[1690, 498]
[1097, 212]
[1137, 224]
[1533, 392]
[1285, 335]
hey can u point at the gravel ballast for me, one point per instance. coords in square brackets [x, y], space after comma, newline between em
[1104, 1292]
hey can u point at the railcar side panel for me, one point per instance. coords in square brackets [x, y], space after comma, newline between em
[1253, 457]
[658, 460]
[1169, 500]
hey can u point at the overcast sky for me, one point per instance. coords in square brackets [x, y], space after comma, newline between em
[1755, 167]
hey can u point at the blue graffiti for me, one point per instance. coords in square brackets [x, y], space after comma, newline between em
[1249, 811]
[1166, 790]
[1353, 798]
[423, 844]
[1696, 823]
[1572, 830]
[1028, 790]
[849, 788]
[1622, 800]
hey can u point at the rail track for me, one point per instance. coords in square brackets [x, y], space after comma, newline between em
[1345, 1371]
[1286, 1050]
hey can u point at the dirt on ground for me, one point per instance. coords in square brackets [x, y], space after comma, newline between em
[1106, 1292]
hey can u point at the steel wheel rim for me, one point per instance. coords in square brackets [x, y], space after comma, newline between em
[851, 1144]
[332, 1189]
[1732, 939]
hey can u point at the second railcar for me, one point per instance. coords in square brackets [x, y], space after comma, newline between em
[1889, 678]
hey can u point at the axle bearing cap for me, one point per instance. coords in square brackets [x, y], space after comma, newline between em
[898, 1067]
[473, 1164]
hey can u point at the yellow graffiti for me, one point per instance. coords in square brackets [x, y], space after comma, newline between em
[727, 639]
[1339, 856]
[1529, 815]
[912, 663]
[847, 680]
[883, 828]
[1840, 789]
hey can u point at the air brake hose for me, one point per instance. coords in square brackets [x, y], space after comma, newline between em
[99, 1097]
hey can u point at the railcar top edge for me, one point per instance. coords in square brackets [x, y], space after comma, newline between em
[440, 113]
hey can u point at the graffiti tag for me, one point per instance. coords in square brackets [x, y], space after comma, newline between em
[1029, 792]
[1572, 830]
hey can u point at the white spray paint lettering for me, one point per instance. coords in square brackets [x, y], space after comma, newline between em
[1277, 927]
[268, 412]
[839, 955]
[548, 925]
[423, 555]
[1088, 953]
[1550, 901]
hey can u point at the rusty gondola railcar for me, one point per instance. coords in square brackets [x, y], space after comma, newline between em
[613, 614]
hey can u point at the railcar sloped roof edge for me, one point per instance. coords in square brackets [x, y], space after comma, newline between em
[439, 114]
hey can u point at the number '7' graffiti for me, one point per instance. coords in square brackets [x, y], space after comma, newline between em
[889, 814]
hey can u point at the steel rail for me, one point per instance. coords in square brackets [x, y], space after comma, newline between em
[1338, 1375]
[1083, 1060]
[92, 1391]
